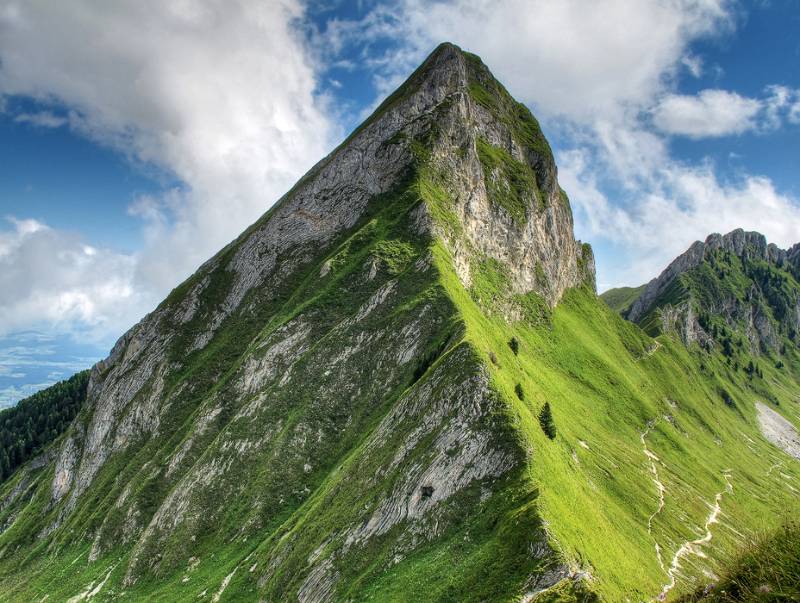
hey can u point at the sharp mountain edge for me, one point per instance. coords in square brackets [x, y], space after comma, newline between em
[346, 402]
[732, 283]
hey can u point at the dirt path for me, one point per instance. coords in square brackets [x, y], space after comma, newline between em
[692, 547]
[659, 486]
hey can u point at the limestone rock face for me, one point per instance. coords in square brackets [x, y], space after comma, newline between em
[736, 276]
[318, 358]
[538, 248]
[539, 252]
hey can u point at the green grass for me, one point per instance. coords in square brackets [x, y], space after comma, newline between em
[767, 569]
[604, 388]
[621, 298]
[509, 183]
[395, 254]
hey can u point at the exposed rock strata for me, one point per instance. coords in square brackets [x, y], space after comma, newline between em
[749, 310]
[240, 401]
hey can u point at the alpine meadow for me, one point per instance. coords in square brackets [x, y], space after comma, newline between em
[400, 384]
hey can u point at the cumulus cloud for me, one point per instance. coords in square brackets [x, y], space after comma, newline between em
[48, 277]
[675, 206]
[712, 113]
[570, 58]
[220, 96]
[709, 113]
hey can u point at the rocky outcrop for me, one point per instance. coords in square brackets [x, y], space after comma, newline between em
[747, 296]
[539, 250]
[778, 430]
[745, 245]
[318, 357]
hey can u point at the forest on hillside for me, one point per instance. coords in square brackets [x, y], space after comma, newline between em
[34, 422]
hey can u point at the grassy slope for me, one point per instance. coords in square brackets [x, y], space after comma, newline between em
[591, 487]
[621, 298]
[487, 544]
[604, 386]
[766, 570]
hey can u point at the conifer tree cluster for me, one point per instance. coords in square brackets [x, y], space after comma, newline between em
[34, 422]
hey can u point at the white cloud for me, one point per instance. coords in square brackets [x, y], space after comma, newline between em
[571, 58]
[709, 113]
[693, 64]
[219, 95]
[42, 119]
[48, 277]
[712, 113]
[781, 102]
[675, 206]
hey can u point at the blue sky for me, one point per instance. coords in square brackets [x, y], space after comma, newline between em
[138, 138]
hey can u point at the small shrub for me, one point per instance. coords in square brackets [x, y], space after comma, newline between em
[727, 348]
[726, 397]
[546, 421]
[519, 391]
[513, 343]
[493, 358]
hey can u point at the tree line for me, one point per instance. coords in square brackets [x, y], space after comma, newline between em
[25, 429]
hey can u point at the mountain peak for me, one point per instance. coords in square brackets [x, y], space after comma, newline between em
[452, 126]
[738, 278]
[323, 353]
[746, 244]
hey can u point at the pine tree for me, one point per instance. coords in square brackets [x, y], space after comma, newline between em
[546, 421]
[513, 343]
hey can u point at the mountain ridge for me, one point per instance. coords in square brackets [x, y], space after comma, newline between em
[739, 242]
[345, 402]
[760, 297]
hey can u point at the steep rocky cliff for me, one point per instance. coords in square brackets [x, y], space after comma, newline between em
[344, 403]
[728, 286]
[317, 351]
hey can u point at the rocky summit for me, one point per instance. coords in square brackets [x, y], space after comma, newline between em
[731, 283]
[400, 385]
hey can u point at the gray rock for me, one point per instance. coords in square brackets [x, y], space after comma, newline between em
[681, 318]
